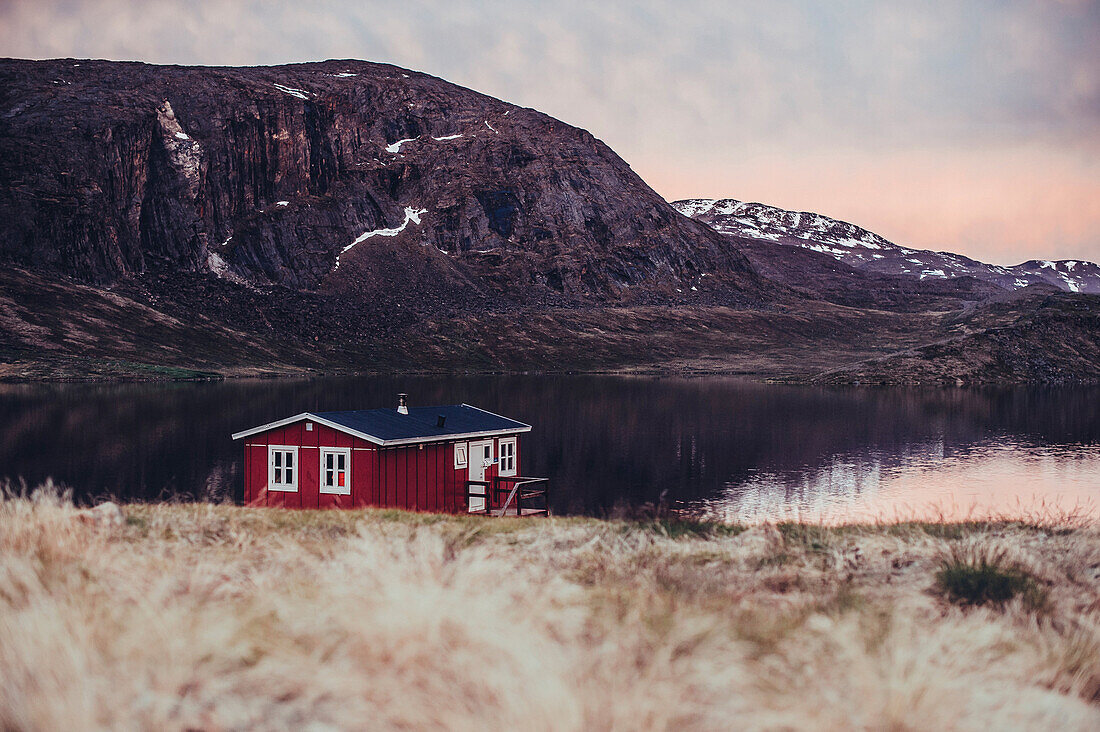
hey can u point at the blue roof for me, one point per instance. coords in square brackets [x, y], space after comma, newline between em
[419, 425]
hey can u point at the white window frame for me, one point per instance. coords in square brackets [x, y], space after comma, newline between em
[462, 454]
[502, 471]
[292, 486]
[335, 490]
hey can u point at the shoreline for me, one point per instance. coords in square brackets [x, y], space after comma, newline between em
[241, 374]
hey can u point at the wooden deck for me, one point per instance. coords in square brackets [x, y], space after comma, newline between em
[512, 496]
[511, 511]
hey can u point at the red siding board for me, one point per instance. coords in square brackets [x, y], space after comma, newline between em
[366, 496]
[448, 482]
[408, 460]
[421, 457]
[411, 457]
[367, 492]
[449, 501]
[380, 477]
[247, 497]
[438, 484]
[401, 459]
[437, 478]
[309, 479]
[391, 477]
[378, 491]
[454, 481]
[427, 478]
[446, 463]
[276, 499]
[258, 473]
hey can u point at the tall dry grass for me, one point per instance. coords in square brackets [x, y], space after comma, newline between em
[215, 617]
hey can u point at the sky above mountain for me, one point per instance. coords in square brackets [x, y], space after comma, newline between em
[966, 126]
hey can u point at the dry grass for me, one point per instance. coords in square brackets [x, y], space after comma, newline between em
[217, 617]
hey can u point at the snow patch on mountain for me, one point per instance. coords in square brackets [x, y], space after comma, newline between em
[291, 91]
[411, 214]
[396, 147]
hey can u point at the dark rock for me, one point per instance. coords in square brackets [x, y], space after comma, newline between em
[127, 168]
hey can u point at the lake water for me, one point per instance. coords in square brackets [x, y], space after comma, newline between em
[720, 447]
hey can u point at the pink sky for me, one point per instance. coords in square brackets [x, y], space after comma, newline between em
[970, 127]
[1001, 205]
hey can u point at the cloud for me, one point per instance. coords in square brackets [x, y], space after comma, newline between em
[733, 94]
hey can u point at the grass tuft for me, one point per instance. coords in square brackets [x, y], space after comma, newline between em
[977, 575]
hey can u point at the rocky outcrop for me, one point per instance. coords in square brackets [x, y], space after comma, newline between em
[1037, 338]
[171, 214]
[270, 174]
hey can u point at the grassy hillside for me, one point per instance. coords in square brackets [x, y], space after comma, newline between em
[216, 617]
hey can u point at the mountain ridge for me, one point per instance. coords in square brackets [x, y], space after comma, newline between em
[866, 250]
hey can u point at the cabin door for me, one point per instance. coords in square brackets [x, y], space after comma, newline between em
[480, 458]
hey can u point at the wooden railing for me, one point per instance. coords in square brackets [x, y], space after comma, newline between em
[524, 490]
[483, 493]
[522, 495]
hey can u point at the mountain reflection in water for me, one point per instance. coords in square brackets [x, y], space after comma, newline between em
[718, 446]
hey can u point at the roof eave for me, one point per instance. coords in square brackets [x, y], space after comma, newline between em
[299, 418]
[520, 427]
[456, 437]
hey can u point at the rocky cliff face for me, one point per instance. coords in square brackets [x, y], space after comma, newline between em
[341, 177]
[867, 251]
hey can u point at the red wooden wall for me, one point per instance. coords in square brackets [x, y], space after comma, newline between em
[415, 477]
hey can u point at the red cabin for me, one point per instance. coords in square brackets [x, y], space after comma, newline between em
[452, 459]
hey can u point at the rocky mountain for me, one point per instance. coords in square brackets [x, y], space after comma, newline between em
[340, 177]
[820, 276]
[189, 222]
[868, 251]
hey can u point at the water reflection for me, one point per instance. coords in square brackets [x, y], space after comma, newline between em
[1007, 479]
[724, 446]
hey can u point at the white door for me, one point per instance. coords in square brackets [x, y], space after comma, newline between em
[480, 458]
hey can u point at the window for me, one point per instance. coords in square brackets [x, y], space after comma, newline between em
[282, 468]
[460, 455]
[508, 457]
[335, 473]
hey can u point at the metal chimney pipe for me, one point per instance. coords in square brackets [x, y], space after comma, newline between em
[439, 420]
[402, 403]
